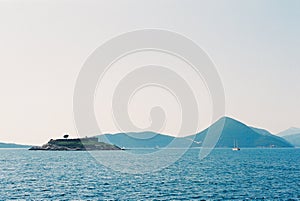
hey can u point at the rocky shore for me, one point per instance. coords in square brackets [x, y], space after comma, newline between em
[79, 144]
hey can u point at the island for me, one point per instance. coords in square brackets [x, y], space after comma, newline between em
[78, 144]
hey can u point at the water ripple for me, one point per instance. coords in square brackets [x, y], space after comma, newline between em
[251, 174]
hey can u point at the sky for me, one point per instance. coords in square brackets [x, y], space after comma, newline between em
[254, 45]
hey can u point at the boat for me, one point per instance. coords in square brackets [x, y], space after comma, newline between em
[235, 146]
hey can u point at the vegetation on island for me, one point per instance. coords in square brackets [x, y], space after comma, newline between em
[78, 144]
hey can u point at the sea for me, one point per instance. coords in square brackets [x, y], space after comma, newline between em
[249, 174]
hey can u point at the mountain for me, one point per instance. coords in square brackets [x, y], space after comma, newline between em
[141, 140]
[11, 145]
[233, 130]
[294, 139]
[260, 131]
[290, 131]
[244, 135]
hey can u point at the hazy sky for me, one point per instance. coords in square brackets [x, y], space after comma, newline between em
[255, 45]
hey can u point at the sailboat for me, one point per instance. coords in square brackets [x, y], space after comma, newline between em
[235, 146]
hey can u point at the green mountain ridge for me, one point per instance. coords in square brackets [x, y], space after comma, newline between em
[233, 130]
[146, 139]
[243, 135]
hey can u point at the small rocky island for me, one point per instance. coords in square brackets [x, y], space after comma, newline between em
[78, 144]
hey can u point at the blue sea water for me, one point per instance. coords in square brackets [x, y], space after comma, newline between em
[250, 174]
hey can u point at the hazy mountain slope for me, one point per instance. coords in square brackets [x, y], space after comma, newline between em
[293, 139]
[260, 131]
[265, 132]
[244, 135]
[137, 140]
[11, 145]
[233, 130]
[290, 131]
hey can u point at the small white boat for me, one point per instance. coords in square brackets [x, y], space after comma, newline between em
[235, 146]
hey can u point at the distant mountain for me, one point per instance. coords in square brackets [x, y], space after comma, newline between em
[141, 140]
[244, 135]
[261, 131]
[290, 131]
[11, 145]
[233, 130]
[293, 139]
